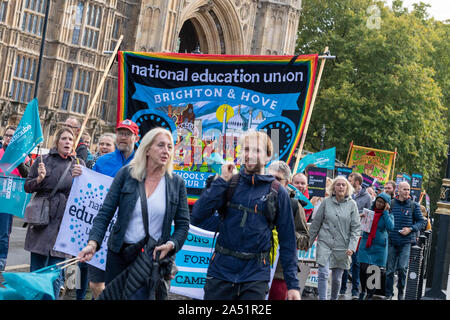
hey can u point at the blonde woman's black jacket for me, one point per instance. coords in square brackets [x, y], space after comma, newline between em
[124, 194]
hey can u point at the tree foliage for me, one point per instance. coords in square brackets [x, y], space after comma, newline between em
[387, 87]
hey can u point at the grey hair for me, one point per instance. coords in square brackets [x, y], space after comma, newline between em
[108, 134]
[282, 167]
[331, 188]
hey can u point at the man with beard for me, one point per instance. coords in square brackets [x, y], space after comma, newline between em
[240, 266]
[389, 188]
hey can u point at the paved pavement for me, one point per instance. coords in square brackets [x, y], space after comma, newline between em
[19, 261]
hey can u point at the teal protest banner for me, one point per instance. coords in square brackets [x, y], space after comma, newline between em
[26, 137]
[13, 197]
[323, 159]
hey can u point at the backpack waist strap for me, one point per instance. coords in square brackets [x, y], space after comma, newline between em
[261, 256]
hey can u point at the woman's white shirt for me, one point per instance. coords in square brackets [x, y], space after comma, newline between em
[156, 205]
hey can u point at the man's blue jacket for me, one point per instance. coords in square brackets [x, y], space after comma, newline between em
[110, 163]
[254, 236]
[404, 217]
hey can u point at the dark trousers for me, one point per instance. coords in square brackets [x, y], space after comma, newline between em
[216, 289]
[115, 264]
[6, 221]
[81, 293]
[355, 277]
[363, 279]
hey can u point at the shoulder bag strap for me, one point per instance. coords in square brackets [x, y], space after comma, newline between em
[61, 180]
[143, 196]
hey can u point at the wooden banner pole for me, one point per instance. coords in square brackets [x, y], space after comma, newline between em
[393, 166]
[422, 194]
[97, 92]
[313, 99]
[348, 154]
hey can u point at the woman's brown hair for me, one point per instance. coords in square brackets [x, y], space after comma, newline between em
[59, 133]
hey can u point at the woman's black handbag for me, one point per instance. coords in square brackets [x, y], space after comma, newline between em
[37, 212]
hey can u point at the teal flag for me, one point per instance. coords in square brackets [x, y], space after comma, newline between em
[216, 162]
[8, 293]
[13, 197]
[301, 196]
[322, 159]
[36, 285]
[26, 137]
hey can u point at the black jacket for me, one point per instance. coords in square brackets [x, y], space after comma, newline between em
[123, 194]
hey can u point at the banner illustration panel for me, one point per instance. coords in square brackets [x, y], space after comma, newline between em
[209, 101]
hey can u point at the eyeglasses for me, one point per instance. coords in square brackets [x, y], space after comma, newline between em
[279, 178]
[125, 133]
[7, 135]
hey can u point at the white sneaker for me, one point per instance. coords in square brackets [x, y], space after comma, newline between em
[341, 296]
[355, 297]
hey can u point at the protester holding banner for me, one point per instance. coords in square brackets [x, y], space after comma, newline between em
[281, 171]
[45, 173]
[240, 266]
[336, 226]
[6, 220]
[23, 168]
[166, 200]
[373, 248]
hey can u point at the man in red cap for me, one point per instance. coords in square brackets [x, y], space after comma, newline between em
[127, 134]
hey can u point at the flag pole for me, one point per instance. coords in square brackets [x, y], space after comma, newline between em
[97, 93]
[422, 194]
[393, 167]
[348, 154]
[313, 99]
[41, 52]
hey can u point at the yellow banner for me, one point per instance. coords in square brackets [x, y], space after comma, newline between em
[373, 162]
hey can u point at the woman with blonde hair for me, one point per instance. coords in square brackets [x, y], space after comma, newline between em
[336, 226]
[149, 175]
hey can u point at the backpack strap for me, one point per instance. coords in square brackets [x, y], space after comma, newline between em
[223, 210]
[229, 195]
[271, 210]
[232, 187]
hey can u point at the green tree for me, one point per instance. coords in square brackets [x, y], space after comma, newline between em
[387, 87]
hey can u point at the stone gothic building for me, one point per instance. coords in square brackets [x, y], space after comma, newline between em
[81, 34]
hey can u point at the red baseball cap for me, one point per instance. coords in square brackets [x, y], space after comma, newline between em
[130, 125]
